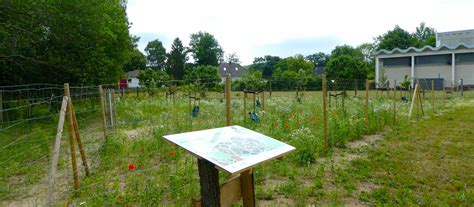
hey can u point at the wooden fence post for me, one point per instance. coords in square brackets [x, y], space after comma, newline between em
[72, 139]
[355, 87]
[433, 94]
[227, 99]
[325, 124]
[1, 106]
[111, 114]
[102, 111]
[245, 106]
[367, 104]
[55, 156]
[462, 87]
[394, 102]
[263, 100]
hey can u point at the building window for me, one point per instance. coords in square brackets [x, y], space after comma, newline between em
[236, 68]
[129, 80]
[433, 60]
[396, 62]
[225, 69]
[464, 58]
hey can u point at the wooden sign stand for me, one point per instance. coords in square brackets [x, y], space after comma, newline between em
[238, 187]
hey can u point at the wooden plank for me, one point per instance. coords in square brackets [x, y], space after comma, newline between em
[247, 188]
[102, 111]
[55, 156]
[227, 99]
[325, 124]
[72, 139]
[231, 191]
[209, 181]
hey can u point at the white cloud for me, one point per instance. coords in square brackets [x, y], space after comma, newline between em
[247, 26]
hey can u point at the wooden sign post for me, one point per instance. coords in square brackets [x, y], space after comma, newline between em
[235, 150]
[102, 111]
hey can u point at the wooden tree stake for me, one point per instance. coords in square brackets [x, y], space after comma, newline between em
[72, 139]
[227, 99]
[1, 106]
[413, 101]
[55, 156]
[367, 104]
[394, 102]
[433, 95]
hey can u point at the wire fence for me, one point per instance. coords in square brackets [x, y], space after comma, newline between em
[132, 164]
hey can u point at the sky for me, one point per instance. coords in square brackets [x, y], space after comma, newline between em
[254, 28]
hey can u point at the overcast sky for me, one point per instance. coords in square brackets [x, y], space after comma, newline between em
[254, 28]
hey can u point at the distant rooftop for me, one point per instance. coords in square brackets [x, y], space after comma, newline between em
[455, 38]
[234, 69]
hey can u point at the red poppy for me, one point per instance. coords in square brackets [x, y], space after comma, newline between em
[286, 126]
[119, 197]
[172, 152]
[315, 116]
[131, 167]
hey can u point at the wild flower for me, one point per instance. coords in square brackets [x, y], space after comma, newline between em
[131, 167]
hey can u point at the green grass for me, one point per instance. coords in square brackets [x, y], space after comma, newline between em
[167, 175]
[426, 163]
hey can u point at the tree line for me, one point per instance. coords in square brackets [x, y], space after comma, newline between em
[88, 42]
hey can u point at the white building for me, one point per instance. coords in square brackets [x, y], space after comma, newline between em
[132, 79]
[451, 60]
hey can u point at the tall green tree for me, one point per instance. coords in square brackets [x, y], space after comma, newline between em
[176, 59]
[265, 64]
[318, 59]
[396, 38]
[80, 42]
[156, 55]
[137, 61]
[347, 62]
[346, 67]
[232, 58]
[293, 72]
[205, 49]
[425, 35]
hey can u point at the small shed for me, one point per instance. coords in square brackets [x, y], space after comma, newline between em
[132, 79]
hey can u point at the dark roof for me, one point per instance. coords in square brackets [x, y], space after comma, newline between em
[133, 74]
[234, 69]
